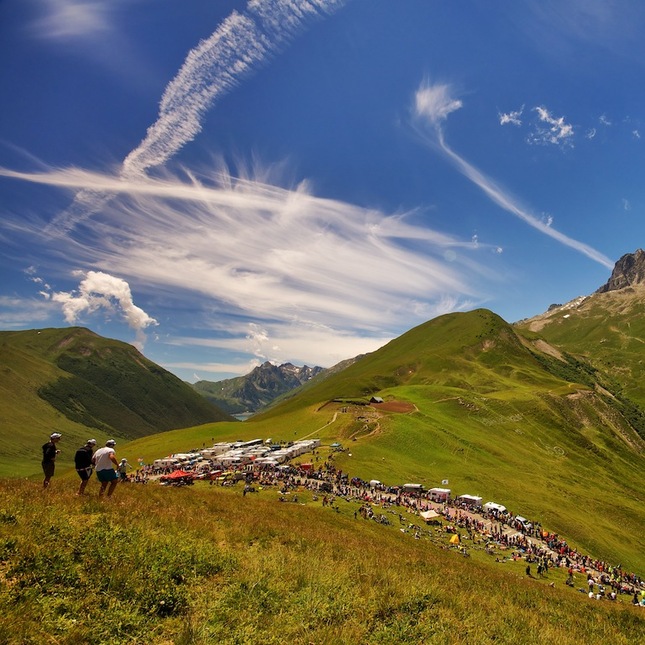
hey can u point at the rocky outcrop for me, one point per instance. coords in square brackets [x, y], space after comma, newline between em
[250, 393]
[628, 271]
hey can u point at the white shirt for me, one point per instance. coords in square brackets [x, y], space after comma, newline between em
[102, 459]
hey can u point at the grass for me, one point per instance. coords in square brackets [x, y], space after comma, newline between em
[204, 564]
[607, 331]
[527, 452]
[82, 385]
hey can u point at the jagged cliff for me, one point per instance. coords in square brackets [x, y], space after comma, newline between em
[628, 271]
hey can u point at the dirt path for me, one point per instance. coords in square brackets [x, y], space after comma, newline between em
[333, 420]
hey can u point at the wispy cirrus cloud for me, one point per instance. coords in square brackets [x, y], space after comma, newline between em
[434, 95]
[548, 130]
[544, 129]
[283, 259]
[63, 20]
[435, 103]
[239, 46]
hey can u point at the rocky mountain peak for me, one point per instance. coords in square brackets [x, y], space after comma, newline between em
[628, 271]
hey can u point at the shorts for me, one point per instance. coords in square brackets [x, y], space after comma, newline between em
[84, 473]
[48, 468]
[107, 475]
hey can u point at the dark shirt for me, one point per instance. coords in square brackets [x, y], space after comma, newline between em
[83, 457]
[49, 452]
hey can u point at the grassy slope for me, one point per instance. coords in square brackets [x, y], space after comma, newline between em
[203, 564]
[489, 419]
[26, 419]
[608, 330]
[80, 384]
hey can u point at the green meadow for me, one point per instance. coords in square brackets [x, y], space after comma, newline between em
[496, 411]
[206, 564]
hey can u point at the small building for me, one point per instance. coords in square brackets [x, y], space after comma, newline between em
[492, 506]
[470, 500]
[376, 399]
[440, 495]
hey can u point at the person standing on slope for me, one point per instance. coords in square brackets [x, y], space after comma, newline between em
[104, 460]
[49, 457]
[83, 463]
[123, 469]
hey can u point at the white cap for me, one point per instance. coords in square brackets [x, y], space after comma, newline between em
[55, 435]
[110, 442]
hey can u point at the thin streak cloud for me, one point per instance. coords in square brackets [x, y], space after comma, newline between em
[435, 138]
[239, 46]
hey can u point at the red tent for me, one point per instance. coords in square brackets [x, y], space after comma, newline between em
[177, 474]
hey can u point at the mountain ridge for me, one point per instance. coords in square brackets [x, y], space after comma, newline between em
[257, 389]
[629, 270]
[75, 381]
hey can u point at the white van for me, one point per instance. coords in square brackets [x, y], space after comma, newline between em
[523, 523]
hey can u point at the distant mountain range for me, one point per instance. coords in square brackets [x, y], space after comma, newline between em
[258, 389]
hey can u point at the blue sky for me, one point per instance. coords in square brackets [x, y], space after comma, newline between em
[227, 182]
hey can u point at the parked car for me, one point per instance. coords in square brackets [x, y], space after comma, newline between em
[523, 524]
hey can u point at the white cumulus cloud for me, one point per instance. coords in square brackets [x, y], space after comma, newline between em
[102, 291]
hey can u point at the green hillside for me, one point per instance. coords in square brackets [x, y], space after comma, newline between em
[605, 329]
[474, 352]
[202, 565]
[79, 383]
[497, 415]
[495, 410]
